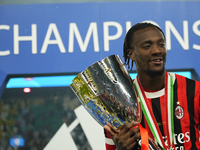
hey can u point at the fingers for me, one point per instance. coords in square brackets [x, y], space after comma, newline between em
[126, 136]
[129, 125]
[127, 144]
[130, 128]
[132, 142]
[111, 130]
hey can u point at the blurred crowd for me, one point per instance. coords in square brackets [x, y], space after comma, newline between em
[36, 117]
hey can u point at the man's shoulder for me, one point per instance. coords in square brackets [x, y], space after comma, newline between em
[189, 81]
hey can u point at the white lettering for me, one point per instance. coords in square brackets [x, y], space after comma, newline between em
[197, 32]
[166, 142]
[183, 42]
[5, 52]
[83, 45]
[175, 138]
[108, 37]
[32, 38]
[128, 25]
[187, 135]
[92, 32]
[180, 138]
[172, 148]
[58, 40]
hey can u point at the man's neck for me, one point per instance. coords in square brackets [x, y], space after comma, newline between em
[152, 83]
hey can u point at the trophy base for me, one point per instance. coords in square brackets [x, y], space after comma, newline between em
[152, 145]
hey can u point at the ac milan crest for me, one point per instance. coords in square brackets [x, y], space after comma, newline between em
[179, 112]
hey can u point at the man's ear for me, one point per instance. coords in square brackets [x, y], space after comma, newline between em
[131, 54]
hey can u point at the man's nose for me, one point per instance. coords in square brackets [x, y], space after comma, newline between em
[156, 49]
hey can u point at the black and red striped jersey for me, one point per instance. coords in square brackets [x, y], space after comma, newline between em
[186, 108]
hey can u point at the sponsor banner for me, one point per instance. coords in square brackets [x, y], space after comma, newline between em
[65, 38]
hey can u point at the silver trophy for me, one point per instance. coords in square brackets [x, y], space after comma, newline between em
[106, 91]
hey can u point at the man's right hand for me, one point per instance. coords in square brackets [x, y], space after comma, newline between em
[125, 137]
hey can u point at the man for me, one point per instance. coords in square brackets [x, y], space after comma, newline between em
[170, 102]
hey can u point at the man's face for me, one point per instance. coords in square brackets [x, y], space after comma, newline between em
[149, 52]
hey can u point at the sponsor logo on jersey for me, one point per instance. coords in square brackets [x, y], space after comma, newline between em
[179, 140]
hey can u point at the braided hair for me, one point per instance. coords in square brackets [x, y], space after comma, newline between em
[129, 40]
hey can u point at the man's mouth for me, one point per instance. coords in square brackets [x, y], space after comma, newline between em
[157, 61]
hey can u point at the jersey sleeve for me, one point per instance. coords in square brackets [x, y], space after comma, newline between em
[197, 112]
[197, 102]
[110, 145]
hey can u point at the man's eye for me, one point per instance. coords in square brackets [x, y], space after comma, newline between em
[162, 45]
[147, 46]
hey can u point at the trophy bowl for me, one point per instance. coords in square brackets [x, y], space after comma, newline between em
[106, 91]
